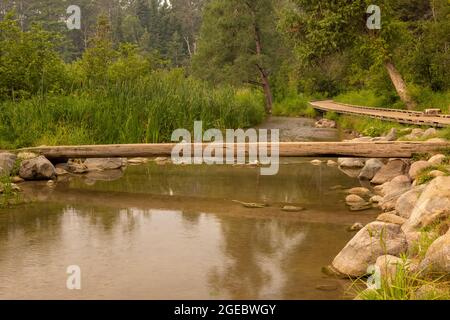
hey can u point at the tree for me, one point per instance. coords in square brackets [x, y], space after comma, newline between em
[323, 28]
[236, 44]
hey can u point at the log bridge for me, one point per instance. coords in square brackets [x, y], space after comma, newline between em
[395, 149]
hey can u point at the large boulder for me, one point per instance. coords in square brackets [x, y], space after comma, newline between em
[101, 164]
[392, 191]
[371, 167]
[394, 168]
[437, 258]
[407, 201]
[435, 198]
[7, 161]
[429, 133]
[37, 169]
[417, 167]
[374, 240]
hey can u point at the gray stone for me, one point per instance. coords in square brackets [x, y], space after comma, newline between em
[388, 266]
[371, 167]
[7, 161]
[391, 218]
[437, 159]
[101, 164]
[435, 197]
[37, 169]
[407, 201]
[350, 163]
[392, 169]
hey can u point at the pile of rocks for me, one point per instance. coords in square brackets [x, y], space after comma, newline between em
[409, 209]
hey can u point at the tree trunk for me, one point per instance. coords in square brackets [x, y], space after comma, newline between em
[400, 85]
[263, 74]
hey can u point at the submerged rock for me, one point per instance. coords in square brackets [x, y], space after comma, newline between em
[350, 163]
[37, 169]
[102, 164]
[325, 123]
[292, 209]
[374, 240]
[355, 227]
[360, 191]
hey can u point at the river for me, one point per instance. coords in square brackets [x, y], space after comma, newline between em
[174, 232]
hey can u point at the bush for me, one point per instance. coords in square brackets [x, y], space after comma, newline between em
[293, 105]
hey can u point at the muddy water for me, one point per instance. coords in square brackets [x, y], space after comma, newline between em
[174, 232]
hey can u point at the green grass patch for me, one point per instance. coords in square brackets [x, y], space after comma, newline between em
[425, 177]
[145, 111]
[294, 106]
[366, 98]
[366, 126]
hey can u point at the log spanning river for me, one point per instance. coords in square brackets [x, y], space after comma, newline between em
[175, 232]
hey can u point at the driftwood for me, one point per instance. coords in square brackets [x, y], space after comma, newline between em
[396, 149]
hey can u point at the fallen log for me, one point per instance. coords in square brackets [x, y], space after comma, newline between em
[396, 149]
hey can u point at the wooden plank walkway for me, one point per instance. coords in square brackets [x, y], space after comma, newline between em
[393, 115]
[395, 149]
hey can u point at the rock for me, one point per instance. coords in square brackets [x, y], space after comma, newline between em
[388, 266]
[60, 171]
[37, 169]
[350, 163]
[407, 201]
[354, 199]
[398, 184]
[437, 159]
[391, 218]
[391, 136]
[351, 172]
[417, 132]
[437, 258]
[51, 183]
[251, 204]
[355, 227]
[26, 155]
[371, 167]
[101, 164]
[316, 162]
[7, 161]
[360, 191]
[163, 161]
[436, 173]
[374, 240]
[292, 209]
[434, 198]
[417, 167]
[17, 179]
[429, 133]
[76, 166]
[135, 161]
[392, 169]
[331, 163]
[325, 123]
[361, 206]
[430, 292]
[376, 199]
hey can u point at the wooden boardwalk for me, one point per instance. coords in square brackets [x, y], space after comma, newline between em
[395, 149]
[394, 115]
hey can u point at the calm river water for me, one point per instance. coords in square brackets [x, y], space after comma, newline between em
[174, 232]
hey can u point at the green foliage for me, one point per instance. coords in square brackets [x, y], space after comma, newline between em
[363, 98]
[29, 63]
[293, 105]
[367, 126]
[424, 175]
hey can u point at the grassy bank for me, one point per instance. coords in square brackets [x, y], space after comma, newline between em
[294, 105]
[424, 97]
[147, 110]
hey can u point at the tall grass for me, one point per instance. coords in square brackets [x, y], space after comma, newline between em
[147, 110]
[294, 105]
